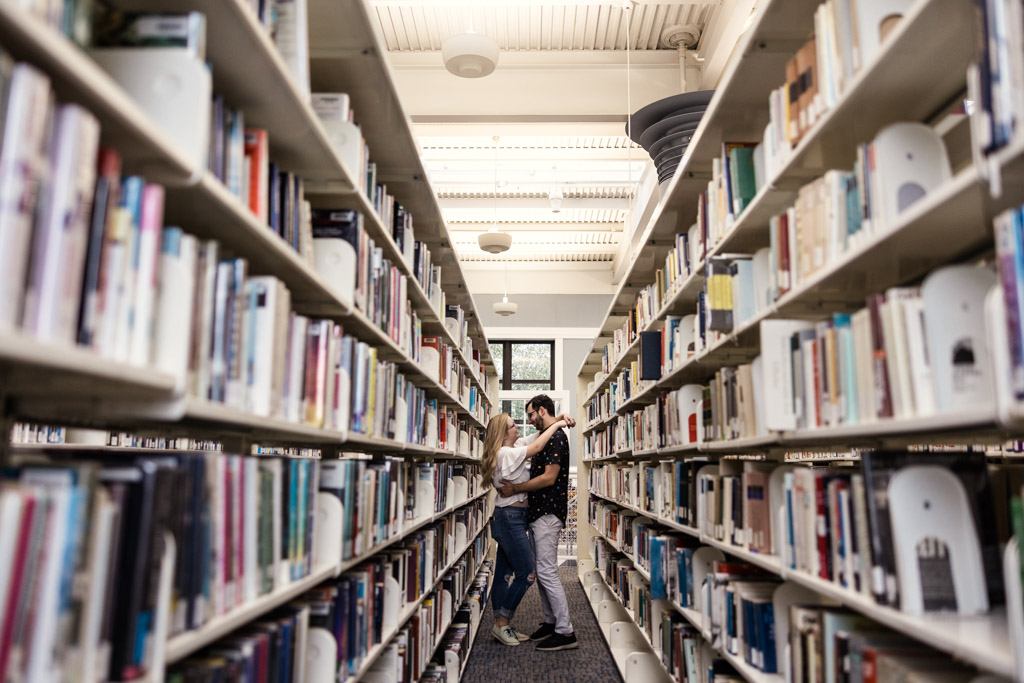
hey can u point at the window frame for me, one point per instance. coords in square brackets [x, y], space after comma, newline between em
[505, 381]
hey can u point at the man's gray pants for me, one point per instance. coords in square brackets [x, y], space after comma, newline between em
[544, 536]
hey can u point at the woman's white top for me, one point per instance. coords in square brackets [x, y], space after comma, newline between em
[514, 467]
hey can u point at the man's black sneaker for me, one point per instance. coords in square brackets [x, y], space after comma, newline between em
[556, 641]
[543, 632]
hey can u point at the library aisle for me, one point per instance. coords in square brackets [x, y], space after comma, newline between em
[270, 270]
[591, 661]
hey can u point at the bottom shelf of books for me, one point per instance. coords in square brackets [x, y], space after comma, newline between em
[770, 572]
[174, 565]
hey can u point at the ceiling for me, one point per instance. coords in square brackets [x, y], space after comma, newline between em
[538, 148]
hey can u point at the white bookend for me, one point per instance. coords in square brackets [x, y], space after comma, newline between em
[321, 656]
[874, 19]
[909, 161]
[58, 250]
[776, 365]
[175, 298]
[335, 259]
[954, 305]
[172, 87]
[347, 140]
[22, 164]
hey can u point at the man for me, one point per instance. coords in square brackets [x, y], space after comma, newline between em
[548, 491]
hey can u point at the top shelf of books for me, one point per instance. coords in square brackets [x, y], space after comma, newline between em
[917, 72]
[263, 191]
[347, 54]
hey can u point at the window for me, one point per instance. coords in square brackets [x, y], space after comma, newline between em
[525, 365]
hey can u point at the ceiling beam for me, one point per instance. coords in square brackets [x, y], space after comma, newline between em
[536, 227]
[530, 87]
[514, 203]
[556, 3]
[436, 155]
[497, 267]
[431, 126]
[642, 60]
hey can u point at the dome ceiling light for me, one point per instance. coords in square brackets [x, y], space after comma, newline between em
[470, 55]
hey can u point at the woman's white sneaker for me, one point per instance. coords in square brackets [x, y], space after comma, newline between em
[505, 635]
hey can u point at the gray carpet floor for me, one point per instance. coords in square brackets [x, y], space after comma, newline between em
[492, 662]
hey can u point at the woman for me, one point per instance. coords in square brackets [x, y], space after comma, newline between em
[505, 459]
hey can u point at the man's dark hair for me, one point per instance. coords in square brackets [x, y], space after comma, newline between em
[542, 401]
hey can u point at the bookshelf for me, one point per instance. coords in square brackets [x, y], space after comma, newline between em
[72, 385]
[983, 641]
[182, 646]
[200, 202]
[346, 55]
[918, 74]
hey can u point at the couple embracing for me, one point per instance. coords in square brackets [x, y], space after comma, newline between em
[531, 476]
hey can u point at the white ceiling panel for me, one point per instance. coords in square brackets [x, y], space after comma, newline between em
[410, 26]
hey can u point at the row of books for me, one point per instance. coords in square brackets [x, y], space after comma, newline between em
[686, 655]
[442, 364]
[911, 352]
[734, 182]
[458, 639]
[240, 157]
[381, 499]
[380, 290]
[107, 264]
[407, 656]
[337, 116]
[335, 112]
[54, 435]
[598, 444]
[71, 17]
[832, 215]
[847, 36]
[680, 263]
[995, 78]
[737, 609]
[271, 648]
[237, 156]
[839, 522]
[85, 540]
[1009, 237]
[358, 612]
[457, 324]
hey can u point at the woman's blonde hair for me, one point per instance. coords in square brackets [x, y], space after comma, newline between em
[493, 439]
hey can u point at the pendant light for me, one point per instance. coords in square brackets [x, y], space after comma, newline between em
[505, 307]
[492, 241]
